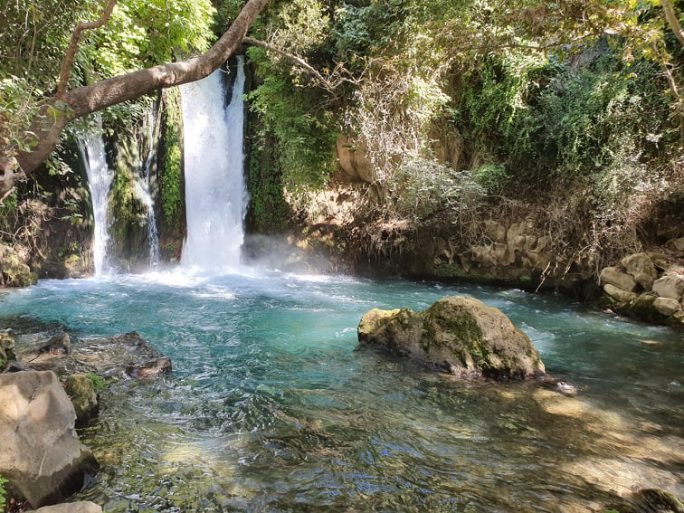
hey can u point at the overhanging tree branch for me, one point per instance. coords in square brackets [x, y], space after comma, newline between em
[72, 49]
[85, 100]
[324, 82]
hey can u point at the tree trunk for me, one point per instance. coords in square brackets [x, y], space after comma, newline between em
[85, 100]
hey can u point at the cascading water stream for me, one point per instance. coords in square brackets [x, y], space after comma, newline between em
[152, 233]
[99, 181]
[215, 189]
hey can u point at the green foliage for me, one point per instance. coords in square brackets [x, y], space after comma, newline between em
[268, 211]
[303, 130]
[2, 491]
[170, 162]
[492, 177]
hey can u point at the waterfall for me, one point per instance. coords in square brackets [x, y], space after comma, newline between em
[99, 181]
[152, 233]
[215, 191]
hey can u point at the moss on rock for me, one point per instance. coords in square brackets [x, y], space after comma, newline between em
[459, 334]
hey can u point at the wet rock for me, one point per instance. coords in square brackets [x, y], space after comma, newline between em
[617, 278]
[42, 456]
[619, 295]
[641, 267]
[110, 357]
[71, 507]
[151, 369]
[57, 345]
[667, 306]
[642, 308]
[459, 334]
[671, 286]
[81, 391]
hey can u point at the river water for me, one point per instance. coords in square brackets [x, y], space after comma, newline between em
[271, 407]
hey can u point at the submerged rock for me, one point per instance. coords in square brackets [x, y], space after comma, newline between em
[120, 356]
[459, 334]
[71, 507]
[150, 369]
[42, 456]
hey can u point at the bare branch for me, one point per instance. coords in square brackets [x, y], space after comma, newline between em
[327, 85]
[72, 49]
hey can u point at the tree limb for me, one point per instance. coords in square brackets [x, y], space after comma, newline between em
[673, 20]
[72, 49]
[82, 101]
[327, 85]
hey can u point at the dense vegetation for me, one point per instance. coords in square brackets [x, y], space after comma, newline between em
[462, 108]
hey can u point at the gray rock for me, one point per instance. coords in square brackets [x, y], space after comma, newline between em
[458, 334]
[71, 507]
[116, 357]
[42, 456]
[619, 295]
[641, 267]
[617, 278]
[667, 306]
[671, 286]
[150, 369]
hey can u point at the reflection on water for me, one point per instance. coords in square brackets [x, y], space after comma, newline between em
[271, 408]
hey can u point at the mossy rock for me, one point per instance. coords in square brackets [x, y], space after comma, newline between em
[81, 390]
[643, 308]
[13, 271]
[458, 334]
[6, 350]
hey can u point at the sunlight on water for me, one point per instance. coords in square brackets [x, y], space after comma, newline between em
[271, 408]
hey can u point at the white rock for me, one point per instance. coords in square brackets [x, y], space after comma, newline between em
[671, 286]
[617, 278]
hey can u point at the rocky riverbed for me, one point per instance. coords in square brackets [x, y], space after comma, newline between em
[52, 384]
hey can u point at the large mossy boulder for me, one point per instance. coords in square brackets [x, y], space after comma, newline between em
[41, 456]
[459, 334]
